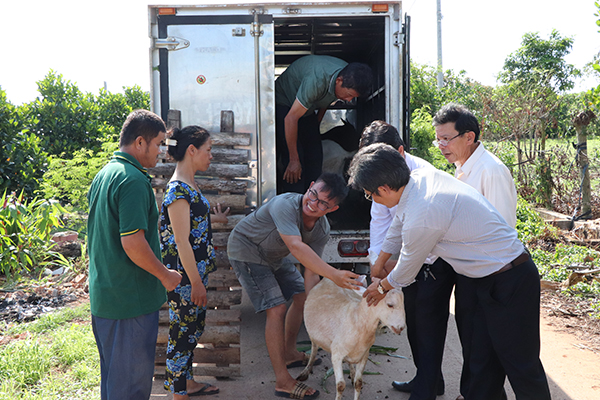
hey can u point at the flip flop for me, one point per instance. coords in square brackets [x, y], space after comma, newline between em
[203, 392]
[303, 362]
[299, 392]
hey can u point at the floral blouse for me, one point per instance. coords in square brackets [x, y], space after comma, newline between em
[200, 229]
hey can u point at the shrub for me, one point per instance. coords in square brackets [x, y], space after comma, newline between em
[25, 229]
[22, 160]
[68, 180]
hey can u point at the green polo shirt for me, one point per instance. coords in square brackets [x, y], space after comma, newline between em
[311, 80]
[121, 202]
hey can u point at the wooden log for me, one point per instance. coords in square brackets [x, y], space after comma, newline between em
[223, 278]
[232, 221]
[230, 138]
[227, 121]
[230, 156]
[220, 356]
[237, 202]
[213, 317]
[206, 370]
[215, 170]
[174, 119]
[218, 335]
[222, 259]
[224, 298]
[209, 184]
[220, 239]
[221, 298]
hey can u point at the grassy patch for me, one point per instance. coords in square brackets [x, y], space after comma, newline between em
[54, 357]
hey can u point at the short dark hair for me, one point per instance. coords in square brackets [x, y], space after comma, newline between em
[463, 118]
[380, 132]
[192, 134]
[335, 185]
[357, 76]
[378, 165]
[142, 123]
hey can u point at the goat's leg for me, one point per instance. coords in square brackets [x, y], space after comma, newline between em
[352, 371]
[308, 369]
[357, 381]
[337, 360]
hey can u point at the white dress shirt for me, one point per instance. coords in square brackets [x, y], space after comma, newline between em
[490, 177]
[440, 215]
[381, 216]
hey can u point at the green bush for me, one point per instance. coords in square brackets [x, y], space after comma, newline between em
[22, 160]
[68, 180]
[25, 230]
[530, 226]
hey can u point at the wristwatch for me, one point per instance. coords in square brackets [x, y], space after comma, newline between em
[381, 289]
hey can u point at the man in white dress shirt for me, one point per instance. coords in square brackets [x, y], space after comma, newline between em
[427, 300]
[439, 215]
[457, 137]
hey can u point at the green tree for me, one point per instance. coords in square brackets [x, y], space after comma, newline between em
[65, 119]
[458, 88]
[22, 160]
[541, 62]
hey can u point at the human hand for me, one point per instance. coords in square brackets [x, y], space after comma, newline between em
[220, 216]
[293, 172]
[199, 294]
[171, 279]
[372, 294]
[347, 279]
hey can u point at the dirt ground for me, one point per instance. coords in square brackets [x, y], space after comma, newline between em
[570, 354]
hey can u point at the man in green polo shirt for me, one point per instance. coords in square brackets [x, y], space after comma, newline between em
[127, 278]
[303, 92]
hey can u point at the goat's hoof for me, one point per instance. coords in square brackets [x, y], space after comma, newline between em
[302, 377]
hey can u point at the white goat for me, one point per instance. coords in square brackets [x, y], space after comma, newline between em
[340, 321]
[335, 157]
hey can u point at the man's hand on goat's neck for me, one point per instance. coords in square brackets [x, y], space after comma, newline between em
[372, 294]
[346, 279]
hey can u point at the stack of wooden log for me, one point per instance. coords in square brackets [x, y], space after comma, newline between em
[225, 182]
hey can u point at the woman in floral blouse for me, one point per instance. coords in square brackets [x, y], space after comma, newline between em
[186, 244]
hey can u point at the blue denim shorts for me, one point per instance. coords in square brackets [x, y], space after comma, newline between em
[267, 287]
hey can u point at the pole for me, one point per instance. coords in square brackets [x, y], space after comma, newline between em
[440, 70]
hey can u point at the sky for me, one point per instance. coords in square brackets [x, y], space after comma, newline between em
[96, 43]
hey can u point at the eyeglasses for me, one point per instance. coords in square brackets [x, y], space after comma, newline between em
[369, 196]
[314, 196]
[444, 143]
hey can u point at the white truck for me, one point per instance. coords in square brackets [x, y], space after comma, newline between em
[216, 65]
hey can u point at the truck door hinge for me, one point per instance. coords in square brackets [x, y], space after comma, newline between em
[256, 26]
[171, 43]
[398, 38]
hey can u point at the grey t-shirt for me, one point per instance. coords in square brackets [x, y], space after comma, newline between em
[257, 238]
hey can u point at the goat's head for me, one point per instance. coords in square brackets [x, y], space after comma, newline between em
[391, 310]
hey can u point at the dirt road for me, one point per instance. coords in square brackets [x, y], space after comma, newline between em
[573, 371]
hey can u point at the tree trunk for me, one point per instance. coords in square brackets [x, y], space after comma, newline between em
[581, 121]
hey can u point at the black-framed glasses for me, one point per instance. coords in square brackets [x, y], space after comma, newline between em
[368, 196]
[314, 196]
[444, 143]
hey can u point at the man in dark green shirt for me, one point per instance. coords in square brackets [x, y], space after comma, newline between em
[127, 277]
[309, 84]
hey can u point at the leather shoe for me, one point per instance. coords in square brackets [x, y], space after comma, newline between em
[460, 397]
[407, 387]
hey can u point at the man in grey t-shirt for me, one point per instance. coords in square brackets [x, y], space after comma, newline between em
[257, 247]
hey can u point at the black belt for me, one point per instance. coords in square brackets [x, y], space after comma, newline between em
[516, 262]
